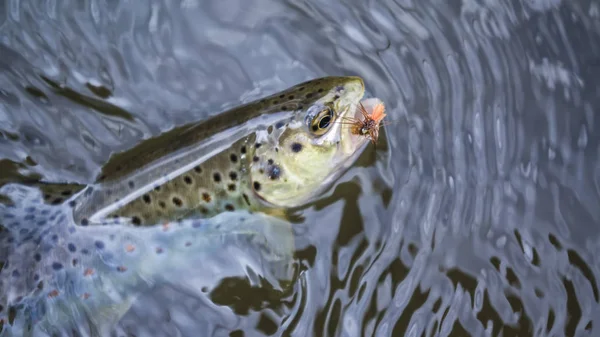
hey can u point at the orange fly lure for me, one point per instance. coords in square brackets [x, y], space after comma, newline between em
[370, 124]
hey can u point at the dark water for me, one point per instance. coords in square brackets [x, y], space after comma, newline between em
[476, 214]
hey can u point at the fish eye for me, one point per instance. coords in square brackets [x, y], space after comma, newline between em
[322, 121]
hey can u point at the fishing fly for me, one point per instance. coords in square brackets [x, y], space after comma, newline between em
[369, 125]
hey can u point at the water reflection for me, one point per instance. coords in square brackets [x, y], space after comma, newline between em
[476, 214]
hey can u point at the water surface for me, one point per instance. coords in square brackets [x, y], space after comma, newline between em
[474, 215]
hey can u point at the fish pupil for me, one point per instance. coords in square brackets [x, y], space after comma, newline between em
[324, 122]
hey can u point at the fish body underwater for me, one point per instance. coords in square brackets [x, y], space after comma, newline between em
[187, 202]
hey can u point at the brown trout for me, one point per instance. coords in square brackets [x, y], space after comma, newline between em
[220, 184]
[273, 153]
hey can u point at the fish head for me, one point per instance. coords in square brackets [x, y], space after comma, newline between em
[297, 160]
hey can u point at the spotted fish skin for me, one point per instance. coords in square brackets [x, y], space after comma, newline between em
[221, 185]
[240, 159]
[62, 267]
[57, 277]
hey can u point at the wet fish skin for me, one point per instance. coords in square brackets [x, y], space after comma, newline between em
[57, 275]
[274, 161]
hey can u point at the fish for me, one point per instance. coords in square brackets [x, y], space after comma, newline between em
[75, 256]
[370, 123]
[260, 156]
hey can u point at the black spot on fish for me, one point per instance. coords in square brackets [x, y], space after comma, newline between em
[37, 257]
[136, 220]
[217, 177]
[233, 175]
[29, 217]
[206, 197]
[54, 237]
[23, 231]
[320, 90]
[57, 265]
[198, 169]
[279, 125]
[233, 157]
[157, 188]
[229, 207]
[177, 201]
[336, 97]
[57, 201]
[16, 274]
[256, 186]
[301, 89]
[188, 180]
[85, 251]
[74, 262]
[270, 161]
[291, 97]
[66, 193]
[282, 96]
[296, 147]
[255, 159]
[72, 203]
[246, 199]
[231, 187]
[275, 102]
[243, 150]
[146, 198]
[309, 95]
[131, 184]
[99, 244]
[162, 204]
[315, 127]
[84, 222]
[257, 145]
[72, 248]
[47, 196]
[118, 168]
[284, 108]
[203, 210]
[274, 172]
[28, 210]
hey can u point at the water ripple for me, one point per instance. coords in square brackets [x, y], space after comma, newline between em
[475, 215]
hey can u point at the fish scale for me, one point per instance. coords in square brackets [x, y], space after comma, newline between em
[222, 184]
